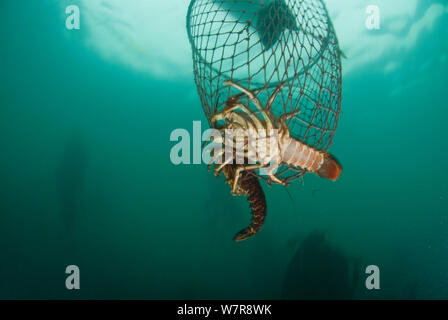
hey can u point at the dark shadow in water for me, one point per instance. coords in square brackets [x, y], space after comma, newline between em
[71, 182]
[320, 271]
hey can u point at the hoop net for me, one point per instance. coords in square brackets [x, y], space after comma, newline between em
[260, 44]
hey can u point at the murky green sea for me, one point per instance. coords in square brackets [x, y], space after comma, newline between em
[86, 177]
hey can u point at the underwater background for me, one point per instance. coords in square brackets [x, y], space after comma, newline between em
[86, 176]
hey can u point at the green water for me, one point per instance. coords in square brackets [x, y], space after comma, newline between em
[86, 178]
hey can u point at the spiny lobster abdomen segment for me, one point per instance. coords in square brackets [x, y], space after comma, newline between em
[249, 186]
[257, 201]
[300, 155]
[308, 158]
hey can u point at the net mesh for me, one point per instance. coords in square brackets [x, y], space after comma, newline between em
[260, 44]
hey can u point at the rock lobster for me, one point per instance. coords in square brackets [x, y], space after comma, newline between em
[271, 133]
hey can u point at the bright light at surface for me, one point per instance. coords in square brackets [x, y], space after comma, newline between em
[399, 29]
[150, 35]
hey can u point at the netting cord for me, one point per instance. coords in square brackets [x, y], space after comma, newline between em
[271, 85]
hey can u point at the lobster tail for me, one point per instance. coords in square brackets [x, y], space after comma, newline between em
[249, 186]
[330, 169]
[257, 200]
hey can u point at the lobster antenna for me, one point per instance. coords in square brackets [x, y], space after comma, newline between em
[292, 199]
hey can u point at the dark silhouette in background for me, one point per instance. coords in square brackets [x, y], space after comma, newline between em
[320, 271]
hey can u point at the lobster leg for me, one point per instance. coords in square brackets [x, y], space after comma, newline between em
[274, 178]
[238, 172]
[255, 101]
[227, 160]
[230, 112]
[273, 96]
[289, 115]
[219, 168]
[239, 119]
